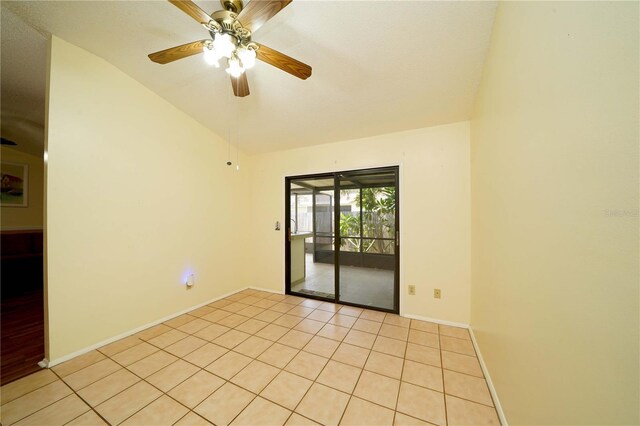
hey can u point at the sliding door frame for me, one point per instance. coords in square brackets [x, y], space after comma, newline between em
[337, 237]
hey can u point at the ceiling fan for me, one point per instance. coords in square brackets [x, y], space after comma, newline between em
[231, 30]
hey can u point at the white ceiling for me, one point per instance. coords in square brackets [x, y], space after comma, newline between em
[378, 66]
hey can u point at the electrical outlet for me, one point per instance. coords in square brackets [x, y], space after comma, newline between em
[412, 290]
[437, 294]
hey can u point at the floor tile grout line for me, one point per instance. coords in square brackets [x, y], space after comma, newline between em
[444, 389]
[453, 337]
[315, 381]
[228, 381]
[178, 384]
[129, 387]
[33, 390]
[163, 393]
[325, 322]
[77, 417]
[338, 361]
[144, 379]
[185, 415]
[356, 385]
[255, 359]
[264, 387]
[42, 408]
[245, 407]
[404, 361]
[201, 368]
[362, 370]
[469, 400]
[91, 408]
[59, 378]
[493, 402]
[281, 370]
[274, 377]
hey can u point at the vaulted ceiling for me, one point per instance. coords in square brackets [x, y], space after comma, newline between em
[378, 66]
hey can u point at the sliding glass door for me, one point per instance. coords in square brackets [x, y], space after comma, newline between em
[311, 236]
[349, 224]
[367, 261]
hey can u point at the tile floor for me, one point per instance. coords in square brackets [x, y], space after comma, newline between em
[258, 358]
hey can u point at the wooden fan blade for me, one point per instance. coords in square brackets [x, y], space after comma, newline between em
[257, 12]
[178, 52]
[284, 62]
[240, 85]
[191, 9]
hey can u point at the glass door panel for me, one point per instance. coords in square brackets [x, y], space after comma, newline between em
[367, 258]
[311, 238]
[341, 243]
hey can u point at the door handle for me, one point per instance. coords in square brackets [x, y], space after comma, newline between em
[397, 238]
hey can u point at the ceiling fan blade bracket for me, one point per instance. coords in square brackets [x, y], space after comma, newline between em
[242, 33]
[212, 26]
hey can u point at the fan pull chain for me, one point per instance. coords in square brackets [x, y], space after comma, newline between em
[229, 132]
[237, 133]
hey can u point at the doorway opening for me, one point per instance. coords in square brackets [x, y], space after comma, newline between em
[342, 240]
[23, 87]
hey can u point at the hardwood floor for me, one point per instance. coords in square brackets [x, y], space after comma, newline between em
[22, 306]
[22, 331]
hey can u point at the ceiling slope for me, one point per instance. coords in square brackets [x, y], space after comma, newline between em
[378, 66]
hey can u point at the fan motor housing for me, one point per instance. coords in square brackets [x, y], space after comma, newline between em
[229, 24]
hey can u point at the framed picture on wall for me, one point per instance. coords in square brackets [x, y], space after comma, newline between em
[13, 184]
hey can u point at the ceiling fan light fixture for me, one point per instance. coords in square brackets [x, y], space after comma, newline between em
[235, 69]
[223, 43]
[247, 56]
[230, 30]
[211, 56]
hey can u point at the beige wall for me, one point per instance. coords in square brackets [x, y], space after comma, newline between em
[138, 195]
[434, 210]
[29, 217]
[554, 172]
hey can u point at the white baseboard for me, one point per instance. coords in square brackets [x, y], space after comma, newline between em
[436, 320]
[138, 329]
[268, 290]
[492, 389]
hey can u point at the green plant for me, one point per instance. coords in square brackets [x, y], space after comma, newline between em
[378, 207]
[350, 225]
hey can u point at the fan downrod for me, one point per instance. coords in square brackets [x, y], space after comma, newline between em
[234, 6]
